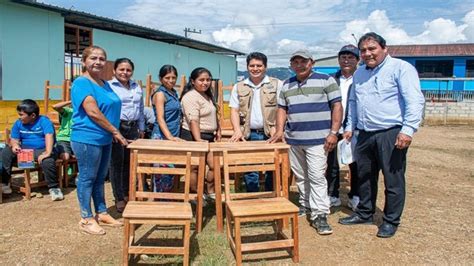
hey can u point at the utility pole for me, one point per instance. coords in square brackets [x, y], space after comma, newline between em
[355, 39]
[189, 30]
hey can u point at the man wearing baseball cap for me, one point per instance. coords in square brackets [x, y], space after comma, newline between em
[309, 104]
[348, 57]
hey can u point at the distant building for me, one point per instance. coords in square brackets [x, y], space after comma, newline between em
[443, 62]
[41, 42]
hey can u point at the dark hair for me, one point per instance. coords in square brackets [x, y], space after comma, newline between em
[257, 56]
[372, 36]
[193, 76]
[166, 69]
[28, 106]
[123, 60]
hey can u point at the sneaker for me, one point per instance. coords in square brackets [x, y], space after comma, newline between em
[352, 203]
[334, 201]
[303, 211]
[321, 225]
[56, 194]
[6, 189]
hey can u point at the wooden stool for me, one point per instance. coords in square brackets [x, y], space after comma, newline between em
[27, 185]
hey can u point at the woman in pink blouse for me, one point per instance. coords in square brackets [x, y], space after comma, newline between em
[200, 121]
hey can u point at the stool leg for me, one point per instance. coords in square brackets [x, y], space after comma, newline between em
[60, 173]
[27, 183]
[66, 174]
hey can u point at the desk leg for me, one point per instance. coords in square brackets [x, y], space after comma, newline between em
[218, 189]
[200, 191]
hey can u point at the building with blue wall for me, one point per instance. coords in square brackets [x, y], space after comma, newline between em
[440, 66]
[41, 42]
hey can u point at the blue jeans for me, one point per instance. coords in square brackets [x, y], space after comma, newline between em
[251, 178]
[93, 163]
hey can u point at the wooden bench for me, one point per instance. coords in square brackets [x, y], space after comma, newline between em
[27, 185]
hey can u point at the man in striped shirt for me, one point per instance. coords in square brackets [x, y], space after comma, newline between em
[309, 106]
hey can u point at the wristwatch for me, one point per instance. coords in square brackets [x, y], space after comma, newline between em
[333, 132]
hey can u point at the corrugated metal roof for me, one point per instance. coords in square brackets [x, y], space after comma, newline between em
[423, 50]
[97, 22]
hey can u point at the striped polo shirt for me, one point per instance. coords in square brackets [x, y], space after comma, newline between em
[308, 107]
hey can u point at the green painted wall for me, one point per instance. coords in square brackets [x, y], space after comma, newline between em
[32, 50]
[149, 56]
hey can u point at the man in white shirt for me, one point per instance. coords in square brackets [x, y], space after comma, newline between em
[348, 57]
[253, 104]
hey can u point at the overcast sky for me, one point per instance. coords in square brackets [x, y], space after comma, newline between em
[277, 28]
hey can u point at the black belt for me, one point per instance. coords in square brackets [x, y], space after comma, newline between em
[259, 131]
[129, 123]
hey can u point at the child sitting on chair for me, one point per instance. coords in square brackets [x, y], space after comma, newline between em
[33, 131]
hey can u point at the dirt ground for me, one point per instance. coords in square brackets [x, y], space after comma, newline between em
[436, 224]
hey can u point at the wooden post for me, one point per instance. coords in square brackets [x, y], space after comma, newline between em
[220, 102]
[46, 96]
[182, 84]
[148, 90]
[68, 90]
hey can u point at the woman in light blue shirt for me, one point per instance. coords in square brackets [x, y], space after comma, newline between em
[132, 127]
[96, 116]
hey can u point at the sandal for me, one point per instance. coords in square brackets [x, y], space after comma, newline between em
[91, 227]
[107, 220]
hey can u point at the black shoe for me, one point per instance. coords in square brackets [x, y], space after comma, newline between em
[387, 230]
[355, 219]
[321, 225]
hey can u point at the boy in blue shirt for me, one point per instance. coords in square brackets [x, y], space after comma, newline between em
[32, 131]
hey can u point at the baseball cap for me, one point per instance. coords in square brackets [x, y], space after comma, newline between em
[349, 49]
[302, 53]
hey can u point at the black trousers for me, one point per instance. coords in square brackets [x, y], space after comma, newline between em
[333, 173]
[119, 171]
[48, 166]
[376, 151]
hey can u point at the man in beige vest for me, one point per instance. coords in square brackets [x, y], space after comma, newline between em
[253, 106]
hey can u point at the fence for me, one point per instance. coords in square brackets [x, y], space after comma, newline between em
[448, 89]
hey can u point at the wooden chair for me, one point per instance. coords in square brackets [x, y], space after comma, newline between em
[224, 110]
[277, 208]
[150, 85]
[65, 88]
[159, 213]
[27, 185]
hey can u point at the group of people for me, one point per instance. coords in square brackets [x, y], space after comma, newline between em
[379, 103]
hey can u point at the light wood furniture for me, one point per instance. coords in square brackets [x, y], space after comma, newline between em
[259, 157]
[224, 113]
[150, 85]
[249, 150]
[145, 155]
[27, 185]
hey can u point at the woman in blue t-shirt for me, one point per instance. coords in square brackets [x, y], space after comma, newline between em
[96, 117]
[167, 108]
